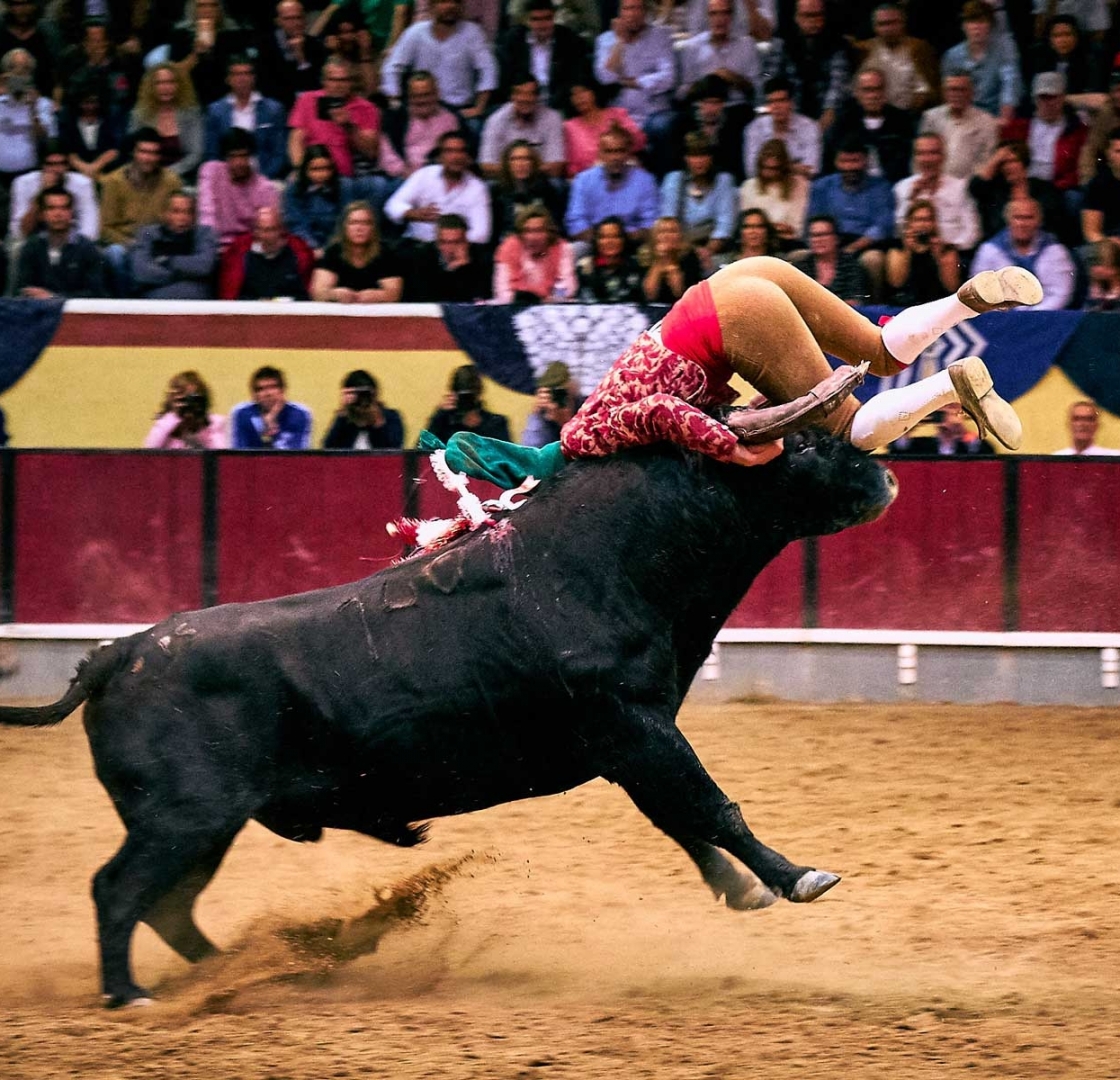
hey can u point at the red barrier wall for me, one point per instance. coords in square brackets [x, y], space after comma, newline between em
[106, 537]
[119, 537]
[1069, 539]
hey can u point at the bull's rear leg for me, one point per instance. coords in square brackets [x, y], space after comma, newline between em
[172, 917]
[137, 882]
[739, 889]
[653, 762]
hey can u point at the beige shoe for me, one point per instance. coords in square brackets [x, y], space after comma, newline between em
[1000, 290]
[973, 384]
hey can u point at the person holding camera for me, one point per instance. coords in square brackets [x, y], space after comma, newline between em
[185, 421]
[555, 404]
[362, 422]
[26, 119]
[349, 126]
[462, 409]
[922, 267]
[175, 259]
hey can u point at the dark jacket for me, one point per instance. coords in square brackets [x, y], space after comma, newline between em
[80, 272]
[279, 77]
[429, 282]
[343, 433]
[167, 266]
[891, 142]
[271, 133]
[570, 64]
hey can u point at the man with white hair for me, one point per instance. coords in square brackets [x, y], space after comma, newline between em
[26, 119]
[957, 217]
[969, 134]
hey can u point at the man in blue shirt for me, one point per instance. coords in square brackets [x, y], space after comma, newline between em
[614, 187]
[862, 207]
[270, 421]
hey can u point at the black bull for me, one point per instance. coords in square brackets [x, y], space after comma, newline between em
[522, 660]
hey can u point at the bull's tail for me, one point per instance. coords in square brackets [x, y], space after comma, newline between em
[92, 673]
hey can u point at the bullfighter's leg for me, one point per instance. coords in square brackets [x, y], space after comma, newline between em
[777, 323]
[172, 916]
[659, 770]
[136, 880]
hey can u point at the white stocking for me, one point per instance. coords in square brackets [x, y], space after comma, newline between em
[894, 412]
[916, 328]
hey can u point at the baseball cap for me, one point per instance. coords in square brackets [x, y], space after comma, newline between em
[556, 376]
[1052, 83]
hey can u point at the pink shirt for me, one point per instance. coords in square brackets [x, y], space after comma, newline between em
[581, 138]
[211, 437]
[305, 115]
[421, 136]
[515, 270]
[229, 208]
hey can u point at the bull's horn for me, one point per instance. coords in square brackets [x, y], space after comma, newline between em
[774, 421]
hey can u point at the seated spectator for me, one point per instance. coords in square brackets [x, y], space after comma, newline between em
[885, 130]
[176, 259]
[202, 45]
[838, 271]
[782, 193]
[1024, 243]
[231, 191]
[314, 199]
[185, 421]
[335, 117]
[637, 58]
[362, 421]
[1065, 49]
[701, 200]
[610, 274]
[462, 409]
[862, 207]
[53, 172]
[347, 37]
[969, 135]
[533, 265]
[580, 16]
[55, 260]
[410, 134]
[454, 48]
[1103, 260]
[96, 62]
[956, 212]
[908, 64]
[954, 438]
[556, 55]
[289, 59]
[244, 107]
[521, 183]
[270, 421]
[720, 123]
[447, 188]
[670, 264]
[757, 235]
[734, 58]
[166, 104]
[921, 267]
[991, 58]
[556, 402]
[266, 264]
[90, 133]
[131, 197]
[25, 28]
[1055, 135]
[589, 120]
[26, 118]
[449, 270]
[523, 119]
[1003, 177]
[1100, 213]
[801, 136]
[613, 188]
[1084, 420]
[356, 268]
[1106, 119]
[817, 60]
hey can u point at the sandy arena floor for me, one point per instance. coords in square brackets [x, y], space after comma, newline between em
[974, 933]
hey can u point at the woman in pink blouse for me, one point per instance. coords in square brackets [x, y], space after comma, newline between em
[533, 265]
[589, 120]
[185, 421]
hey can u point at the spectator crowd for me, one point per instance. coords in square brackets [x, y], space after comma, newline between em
[550, 150]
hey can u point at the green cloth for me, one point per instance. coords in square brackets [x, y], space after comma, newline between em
[498, 462]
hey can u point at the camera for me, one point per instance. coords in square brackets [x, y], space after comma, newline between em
[363, 397]
[923, 238]
[559, 396]
[327, 105]
[18, 85]
[191, 405]
[466, 401]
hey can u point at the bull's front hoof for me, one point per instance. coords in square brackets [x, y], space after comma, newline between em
[754, 898]
[811, 884]
[133, 998]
